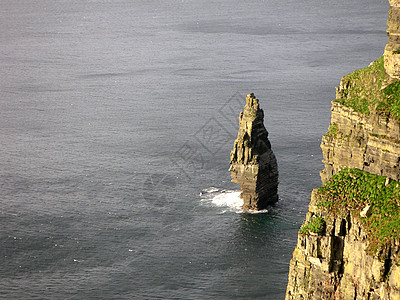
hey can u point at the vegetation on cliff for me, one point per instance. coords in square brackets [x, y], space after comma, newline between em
[361, 89]
[333, 130]
[317, 225]
[375, 199]
[364, 91]
[391, 100]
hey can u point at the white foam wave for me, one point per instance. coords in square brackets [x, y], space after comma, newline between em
[263, 211]
[209, 190]
[229, 200]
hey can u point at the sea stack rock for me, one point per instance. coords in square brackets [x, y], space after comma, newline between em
[253, 164]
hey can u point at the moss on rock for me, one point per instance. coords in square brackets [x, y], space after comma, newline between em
[361, 89]
[364, 91]
[317, 225]
[354, 190]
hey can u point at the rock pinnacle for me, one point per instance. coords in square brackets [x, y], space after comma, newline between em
[253, 164]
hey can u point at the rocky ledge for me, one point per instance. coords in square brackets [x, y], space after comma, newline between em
[392, 49]
[349, 245]
[253, 164]
[340, 254]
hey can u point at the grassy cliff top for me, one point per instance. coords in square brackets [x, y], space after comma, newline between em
[362, 90]
[376, 196]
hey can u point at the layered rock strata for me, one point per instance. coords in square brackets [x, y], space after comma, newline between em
[252, 163]
[392, 50]
[366, 142]
[342, 251]
[334, 264]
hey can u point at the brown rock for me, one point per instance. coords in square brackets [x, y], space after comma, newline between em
[366, 142]
[392, 49]
[336, 265]
[253, 164]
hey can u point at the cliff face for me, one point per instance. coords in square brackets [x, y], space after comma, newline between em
[364, 131]
[349, 245]
[392, 50]
[366, 142]
[334, 264]
[253, 164]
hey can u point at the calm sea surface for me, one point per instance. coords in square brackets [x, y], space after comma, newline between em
[116, 123]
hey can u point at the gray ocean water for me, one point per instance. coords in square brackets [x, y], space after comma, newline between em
[116, 123]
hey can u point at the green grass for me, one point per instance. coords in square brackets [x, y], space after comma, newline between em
[391, 100]
[333, 130]
[316, 225]
[362, 91]
[362, 88]
[352, 190]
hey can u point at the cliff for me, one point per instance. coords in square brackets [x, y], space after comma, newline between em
[364, 131]
[349, 245]
[392, 49]
[253, 164]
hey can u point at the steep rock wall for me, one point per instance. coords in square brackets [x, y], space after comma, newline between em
[367, 142]
[253, 164]
[349, 245]
[392, 49]
[335, 264]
